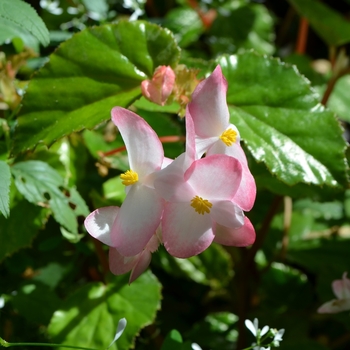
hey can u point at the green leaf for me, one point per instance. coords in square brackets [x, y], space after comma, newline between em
[185, 24]
[249, 26]
[89, 74]
[332, 27]
[5, 183]
[283, 125]
[94, 322]
[19, 230]
[42, 185]
[16, 16]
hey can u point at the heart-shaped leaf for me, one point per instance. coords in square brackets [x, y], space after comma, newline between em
[281, 121]
[89, 74]
[100, 307]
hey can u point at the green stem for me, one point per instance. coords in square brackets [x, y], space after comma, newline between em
[5, 344]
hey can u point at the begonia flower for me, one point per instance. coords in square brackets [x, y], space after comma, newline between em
[215, 134]
[198, 201]
[139, 216]
[99, 225]
[341, 289]
[159, 88]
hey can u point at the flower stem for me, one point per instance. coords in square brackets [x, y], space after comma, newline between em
[5, 344]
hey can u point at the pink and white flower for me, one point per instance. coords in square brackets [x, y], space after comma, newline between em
[199, 203]
[99, 224]
[341, 289]
[214, 134]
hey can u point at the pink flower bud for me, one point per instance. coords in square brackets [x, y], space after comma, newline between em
[160, 87]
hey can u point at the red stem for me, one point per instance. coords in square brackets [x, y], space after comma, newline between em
[302, 36]
[163, 139]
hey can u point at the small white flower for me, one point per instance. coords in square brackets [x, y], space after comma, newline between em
[254, 328]
[277, 336]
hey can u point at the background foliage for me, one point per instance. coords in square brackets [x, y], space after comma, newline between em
[65, 64]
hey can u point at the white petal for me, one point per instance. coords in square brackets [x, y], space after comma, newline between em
[100, 222]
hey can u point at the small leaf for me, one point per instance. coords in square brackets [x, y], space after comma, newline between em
[93, 324]
[5, 183]
[89, 74]
[42, 185]
[21, 16]
[333, 28]
[284, 125]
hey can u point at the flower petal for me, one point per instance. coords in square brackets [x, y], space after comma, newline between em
[100, 222]
[145, 151]
[119, 264]
[141, 265]
[185, 232]
[341, 288]
[334, 306]
[246, 193]
[240, 237]
[249, 324]
[215, 177]
[137, 220]
[208, 107]
[227, 214]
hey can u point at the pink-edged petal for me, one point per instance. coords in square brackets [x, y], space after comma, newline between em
[191, 143]
[141, 265]
[145, 151]
[227, 214]
[240, 237]
[100, 222]
[215, 177]
[119, 264]
[166, 161]
[137, 220]
[334, 306]
[246, 193]
[169, 182]
[185, 232]
[208, 107]
[341, 288]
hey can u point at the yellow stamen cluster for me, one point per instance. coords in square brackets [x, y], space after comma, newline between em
[228, 137]
[129, 177]
[201, 205]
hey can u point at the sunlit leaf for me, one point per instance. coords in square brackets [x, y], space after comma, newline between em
[42, 185]
[282, 123]
[93, 323]
[89, 74]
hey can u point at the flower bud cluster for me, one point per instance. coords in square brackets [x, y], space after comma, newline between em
[186, 203]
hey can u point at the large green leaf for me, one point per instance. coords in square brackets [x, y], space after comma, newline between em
[19, 230]
[90, 316]
[89, 74]
[5, 182]
[17, 16]
[333, 28]
[42, 185]
[281, 121]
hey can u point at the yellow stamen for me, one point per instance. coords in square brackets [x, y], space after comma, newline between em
[228, 137]
[129, 177]
[201, 205]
